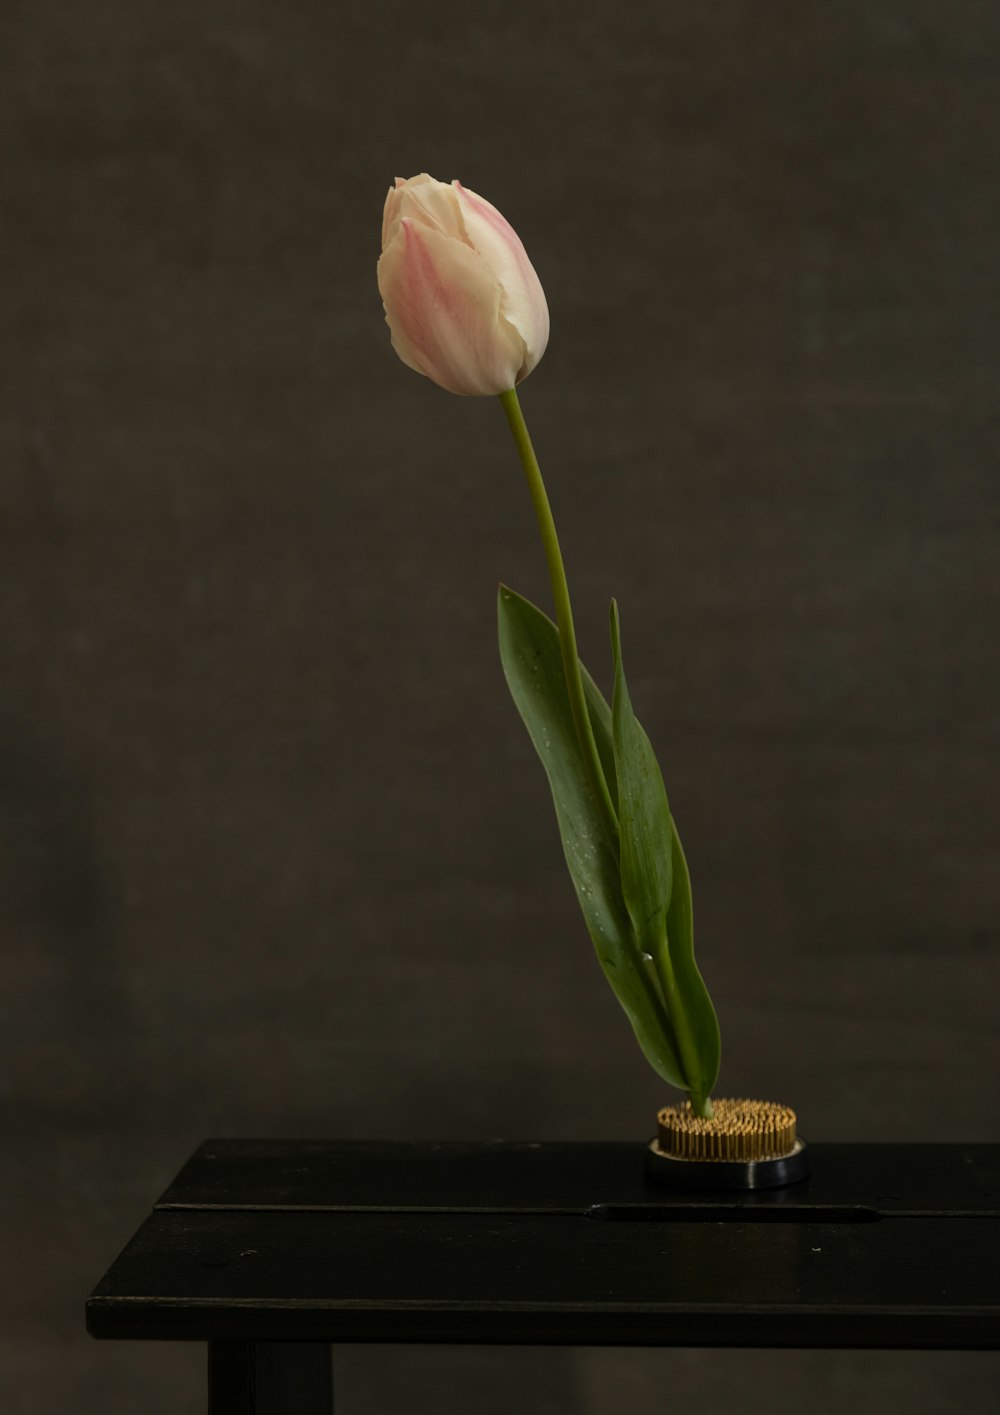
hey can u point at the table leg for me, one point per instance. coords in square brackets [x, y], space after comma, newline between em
[270, 1378]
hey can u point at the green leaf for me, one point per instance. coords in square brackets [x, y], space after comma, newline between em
[643, 812]
[532, 665]
[657, 889]
[690, 984]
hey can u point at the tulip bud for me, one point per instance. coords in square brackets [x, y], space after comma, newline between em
[462, 301]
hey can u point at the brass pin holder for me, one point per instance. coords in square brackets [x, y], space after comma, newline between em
[745, 1144]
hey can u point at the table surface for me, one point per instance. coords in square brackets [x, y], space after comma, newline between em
[890, 1246]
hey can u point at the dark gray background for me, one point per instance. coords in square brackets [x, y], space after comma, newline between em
[275, 856]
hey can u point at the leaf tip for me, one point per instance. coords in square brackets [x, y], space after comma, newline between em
[616, 632]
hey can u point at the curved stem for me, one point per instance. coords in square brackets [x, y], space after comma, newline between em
[564, 617]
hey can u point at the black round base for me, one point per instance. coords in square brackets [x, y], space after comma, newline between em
[719, 1175]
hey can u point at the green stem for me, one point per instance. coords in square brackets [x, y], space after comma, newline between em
[564, 616]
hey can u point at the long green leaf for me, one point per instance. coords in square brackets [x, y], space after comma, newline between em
[532, 664]
[656, 886]
[690, 984]
[643, 812]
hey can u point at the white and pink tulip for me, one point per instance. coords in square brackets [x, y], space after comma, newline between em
[462, 301]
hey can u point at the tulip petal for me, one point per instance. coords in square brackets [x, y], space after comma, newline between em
[442, 305]
[523, 302]
[422, 199]
[434, 204]
[390, 211]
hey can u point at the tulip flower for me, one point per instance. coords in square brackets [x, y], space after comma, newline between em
[462, 301]
[466, 309]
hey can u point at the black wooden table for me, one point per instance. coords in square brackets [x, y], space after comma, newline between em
[271, 1250]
